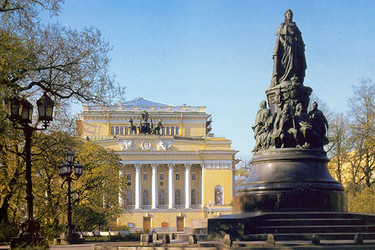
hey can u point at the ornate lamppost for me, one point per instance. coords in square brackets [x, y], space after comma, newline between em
[20, 112]
[66, 169]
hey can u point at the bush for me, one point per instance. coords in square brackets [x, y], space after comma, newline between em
[129, 237]
[120, 228]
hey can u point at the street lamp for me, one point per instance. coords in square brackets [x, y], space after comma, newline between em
[65, 171]
[20, 112]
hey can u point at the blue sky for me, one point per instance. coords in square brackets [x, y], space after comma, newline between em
[219, 53]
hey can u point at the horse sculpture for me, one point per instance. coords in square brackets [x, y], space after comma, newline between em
[156, 130]
[133, 128]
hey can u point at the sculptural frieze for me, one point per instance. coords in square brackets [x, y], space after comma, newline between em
[127, 145]
[146, 145]
[164, 145]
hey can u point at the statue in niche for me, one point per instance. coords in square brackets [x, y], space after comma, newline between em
[319, 124]
[289, 52]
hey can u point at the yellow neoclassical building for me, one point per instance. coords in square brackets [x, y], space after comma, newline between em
[176, 170]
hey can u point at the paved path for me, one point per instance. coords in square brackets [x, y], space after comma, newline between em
[86, 246]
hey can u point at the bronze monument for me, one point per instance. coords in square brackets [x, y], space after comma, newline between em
[290, 194]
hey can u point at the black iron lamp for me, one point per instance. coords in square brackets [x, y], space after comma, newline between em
[45, 108]
[66, 169]
[20, 113]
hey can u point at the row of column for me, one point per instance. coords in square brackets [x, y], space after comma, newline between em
[171, 193]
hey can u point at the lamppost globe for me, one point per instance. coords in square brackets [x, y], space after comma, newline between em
[69, 156]
[13, 107]
[78, 169]
[65, 169]
[26, 111]
[45, 108]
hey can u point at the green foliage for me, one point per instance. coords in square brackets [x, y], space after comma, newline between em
[120, 228]
[362, 202]
[130, 237]
[99, 187]
[8, 231]
[243, 167]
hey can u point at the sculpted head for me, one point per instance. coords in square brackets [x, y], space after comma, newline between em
[288, 15]
[315, 105]
[263, 104]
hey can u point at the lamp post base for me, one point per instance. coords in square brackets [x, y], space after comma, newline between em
[29, 235]
[68, 238]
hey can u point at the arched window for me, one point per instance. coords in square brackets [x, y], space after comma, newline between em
[163, 131]
[194, 197]
[172, 130]
[112, 130]
[161, 197]
[121, 130]
[177, 197]
[117, 130]
[129, 197]
[145, 197]
[177, 130]
[126, 130]
[168, 130]
[218, 195]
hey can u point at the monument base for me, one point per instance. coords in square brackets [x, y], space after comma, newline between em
[290, 179]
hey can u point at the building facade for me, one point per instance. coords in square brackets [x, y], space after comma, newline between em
[176, 170]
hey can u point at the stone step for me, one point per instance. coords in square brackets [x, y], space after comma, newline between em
[312, 222]
[311, 229]
[308, 237]
[312, 215]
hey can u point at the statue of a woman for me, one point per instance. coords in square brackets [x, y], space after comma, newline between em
[289, 53]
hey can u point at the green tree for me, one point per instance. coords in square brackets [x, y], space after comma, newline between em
[66, 63]
[362, 201]
[243, 167]
[362, 112]
[339, 146]
[48, 153]
[99, 187]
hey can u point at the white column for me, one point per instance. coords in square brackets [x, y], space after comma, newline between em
[187, 185]
[137, 186]
[171, 186]
[202, 184]
[154, 200]
[120, 198]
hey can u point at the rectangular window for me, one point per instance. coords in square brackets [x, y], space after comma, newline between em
[178, 176]
[129, 176]
[193, 176]
[161, 176]
[145, 176]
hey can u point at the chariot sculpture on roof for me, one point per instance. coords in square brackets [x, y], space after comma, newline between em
[145, 127]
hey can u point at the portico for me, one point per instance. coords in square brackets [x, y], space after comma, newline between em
[161, 190]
